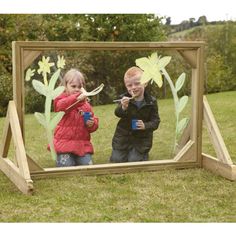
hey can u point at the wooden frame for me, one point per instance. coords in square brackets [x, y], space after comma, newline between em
[190, 147]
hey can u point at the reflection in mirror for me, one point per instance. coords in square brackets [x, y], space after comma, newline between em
[108, 67]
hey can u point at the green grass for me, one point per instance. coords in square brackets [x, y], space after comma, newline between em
[191, 195]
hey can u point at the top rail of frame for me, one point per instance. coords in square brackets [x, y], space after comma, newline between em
[91, 45]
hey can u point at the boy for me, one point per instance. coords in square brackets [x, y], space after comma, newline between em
[134, 144]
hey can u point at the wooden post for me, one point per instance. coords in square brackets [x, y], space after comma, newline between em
[18, 83]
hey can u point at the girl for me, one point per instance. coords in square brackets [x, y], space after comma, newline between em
[72, 134]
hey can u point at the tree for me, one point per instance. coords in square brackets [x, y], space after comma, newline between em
[202, 20]
[191, 22]
[168, 21]
[107, 67]
[110, 66]
[124, 27]
[220, 55]
[219, 74]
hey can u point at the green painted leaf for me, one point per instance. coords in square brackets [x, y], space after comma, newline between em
[56, 119]
[180, 82]
[54, 79]
[182, 103]
[29, 74]
[39, 87]
[40, 118]
[181, 125]
[57, 92]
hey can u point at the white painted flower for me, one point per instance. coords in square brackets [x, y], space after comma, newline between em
[60, 62]
[44, 68]
[152, 67]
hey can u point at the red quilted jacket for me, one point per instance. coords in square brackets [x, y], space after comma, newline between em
[71, 135]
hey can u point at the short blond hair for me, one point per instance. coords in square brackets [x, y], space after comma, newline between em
[133, 71]
[71, 75]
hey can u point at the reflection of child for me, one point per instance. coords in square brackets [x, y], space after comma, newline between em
[72, 134]
[134, 145]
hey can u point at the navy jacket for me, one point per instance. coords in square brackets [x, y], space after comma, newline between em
[141, 140]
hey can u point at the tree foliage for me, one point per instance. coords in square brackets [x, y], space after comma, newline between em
[108, 67]
[105, 66]
[220, 54]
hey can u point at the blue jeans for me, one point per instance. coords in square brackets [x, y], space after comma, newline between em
[128, 155]
[70, 159]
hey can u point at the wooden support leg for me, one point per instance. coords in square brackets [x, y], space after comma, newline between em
[19, 174]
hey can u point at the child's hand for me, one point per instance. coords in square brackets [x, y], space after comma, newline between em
[125, 102]
[81, 97]
[90, 122]
[140, 124]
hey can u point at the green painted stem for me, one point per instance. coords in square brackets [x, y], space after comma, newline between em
[50, 140]
[176, 100]
[48, 103]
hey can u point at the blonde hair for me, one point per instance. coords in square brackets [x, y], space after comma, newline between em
[71, 75]
[133, 71]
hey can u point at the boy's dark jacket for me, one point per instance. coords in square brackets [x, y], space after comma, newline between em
[141, 140]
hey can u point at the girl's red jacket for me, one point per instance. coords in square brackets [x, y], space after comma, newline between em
[71, 134]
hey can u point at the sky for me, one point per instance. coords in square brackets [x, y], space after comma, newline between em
[178, 10]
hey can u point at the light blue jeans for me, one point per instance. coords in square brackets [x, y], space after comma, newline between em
[70, 159]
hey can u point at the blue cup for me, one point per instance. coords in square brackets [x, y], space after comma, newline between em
[87, 116]
[134, 124]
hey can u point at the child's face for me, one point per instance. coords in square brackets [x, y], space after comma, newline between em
[134, 87]
[73, 86]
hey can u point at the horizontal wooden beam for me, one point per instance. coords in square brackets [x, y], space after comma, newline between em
[41, 45]
[102, 169]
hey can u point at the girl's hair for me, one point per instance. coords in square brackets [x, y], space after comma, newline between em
[71, 75]
[132, 72]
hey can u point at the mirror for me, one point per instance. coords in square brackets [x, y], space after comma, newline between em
[107, 67]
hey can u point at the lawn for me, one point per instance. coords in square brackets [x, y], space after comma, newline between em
[191, 195]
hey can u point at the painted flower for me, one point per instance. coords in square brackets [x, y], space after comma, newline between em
[44, 68]
[29, 74]
[152, 67]
[60, 62]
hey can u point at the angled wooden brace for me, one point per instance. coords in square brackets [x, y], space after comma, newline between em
[19, 174]
[222, 165]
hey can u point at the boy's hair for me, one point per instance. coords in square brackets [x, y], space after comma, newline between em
[71, 75]
[133, 71]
